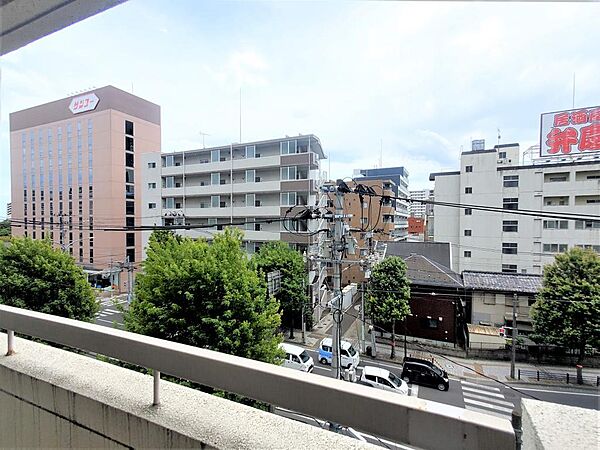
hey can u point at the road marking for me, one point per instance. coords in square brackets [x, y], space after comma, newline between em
[487, 399]
[481, 386]
[557, 392]
[488, 405]
[321, 368]
[414, 390]
[106, 321]
[479, 391]
[485, 411]
[112, 311]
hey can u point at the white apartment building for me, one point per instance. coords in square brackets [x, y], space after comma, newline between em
[263, 180]
[417, 209]
[505, 242]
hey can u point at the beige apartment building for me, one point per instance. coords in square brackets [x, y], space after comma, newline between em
[76, 174]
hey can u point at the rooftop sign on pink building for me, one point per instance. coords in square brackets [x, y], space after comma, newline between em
[83, 103]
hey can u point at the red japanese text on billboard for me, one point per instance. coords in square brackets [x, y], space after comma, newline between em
[569, 132]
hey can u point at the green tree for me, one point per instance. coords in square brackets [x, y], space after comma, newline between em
[205, 295]
[292, 294]
[567, 310]
[35, 276]
[5, 228]
[388, 294]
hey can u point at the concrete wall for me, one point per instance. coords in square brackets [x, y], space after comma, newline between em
[54, 398]
[551, 426]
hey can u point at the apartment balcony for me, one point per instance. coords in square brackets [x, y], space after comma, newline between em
[238, 211]
[223, 189]
[55, 398]
[301, 159]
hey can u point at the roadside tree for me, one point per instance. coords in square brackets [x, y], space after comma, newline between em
[205, 295]
[388, 294]
[292, 297]
[35, 276]
[567, 310]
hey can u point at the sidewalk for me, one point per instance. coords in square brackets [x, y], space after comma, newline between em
[457, 367]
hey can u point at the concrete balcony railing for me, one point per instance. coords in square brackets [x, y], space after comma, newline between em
[402, 419]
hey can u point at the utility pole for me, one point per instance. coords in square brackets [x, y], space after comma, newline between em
[514, 336]
[336, 253]
[63, 247]
[129, 266]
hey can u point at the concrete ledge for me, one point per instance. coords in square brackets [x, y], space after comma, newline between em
[57, 398]
[553, 426]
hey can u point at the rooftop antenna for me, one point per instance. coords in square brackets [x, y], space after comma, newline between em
[240, 114]
[498, 135]
[203, 134]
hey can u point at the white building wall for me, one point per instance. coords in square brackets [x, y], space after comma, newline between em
[536, 188]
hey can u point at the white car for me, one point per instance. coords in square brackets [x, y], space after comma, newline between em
[383, 379]
[348, 355]
[297, 358]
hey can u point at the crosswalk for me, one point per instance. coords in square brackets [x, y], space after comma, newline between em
[486, 399]
[109, 307]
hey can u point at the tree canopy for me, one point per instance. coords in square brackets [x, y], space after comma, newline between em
[567, 310]
[388, 294]
[5, 228]
[35, 276]
[292, 294]
[206, 295]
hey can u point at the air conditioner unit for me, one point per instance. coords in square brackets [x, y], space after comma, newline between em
[257, 203]
[222, 204]
[257, 179]
[222, 182]
[202, 183]
[222, 159]
[257, 155]
[177, 185]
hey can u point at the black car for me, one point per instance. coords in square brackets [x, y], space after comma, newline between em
[421, 371]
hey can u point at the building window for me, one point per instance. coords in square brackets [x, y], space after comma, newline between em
[215, 201]
[502, 155]
[215, 155]
[151, 185]
[215, 178]
[170, 203]
[557, 224]
[595, 248]
[250, 151]
[288, 173]
[130, 240]
[510, 203]
[468, 168]
[128, 175]
[468, 212]
[511, 181]
[468, 190]
[287, 147]
[288, 199]
[129, 208]
[510, 226]
[129, 222]
[129, 191]
[128, 159]
[151, 165]
[555, 248]
[467, 253]
[250, 198]
[129, 127]
[169, 161]
[250, 176]
[151, 205]
[586, 224]
[467, 232]
[169, 182]
[509, 268]
[128, 143]
[130, 254]
[509, 248]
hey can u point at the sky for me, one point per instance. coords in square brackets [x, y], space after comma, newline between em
[412, 83]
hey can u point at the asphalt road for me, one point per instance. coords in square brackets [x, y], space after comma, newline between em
[485, 396]
[109, 313]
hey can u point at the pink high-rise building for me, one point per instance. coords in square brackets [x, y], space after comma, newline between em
[75, 173]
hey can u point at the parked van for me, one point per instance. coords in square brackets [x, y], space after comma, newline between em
[297, 358]
[421, 371]
[349, 355]
[383, 379]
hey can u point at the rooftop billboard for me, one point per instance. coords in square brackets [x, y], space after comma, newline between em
[574, 131]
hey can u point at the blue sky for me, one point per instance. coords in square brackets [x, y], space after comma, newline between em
[419, 79]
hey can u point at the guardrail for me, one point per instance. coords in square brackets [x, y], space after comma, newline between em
[408, 420]
[569, 378]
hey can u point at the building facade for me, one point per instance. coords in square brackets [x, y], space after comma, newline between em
[511, 243]
[246, 184]
[418, 209]
[399, 176]
[75, 171]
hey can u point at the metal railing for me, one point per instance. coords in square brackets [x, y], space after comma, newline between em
[564, 377]
[408, 420]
